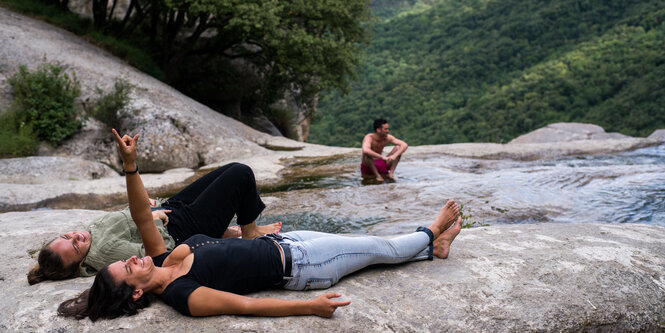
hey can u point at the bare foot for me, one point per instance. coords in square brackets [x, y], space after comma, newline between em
[391, 176]
[232, 232]
[448, 214]
[380, 179]
[252, 231]
[442, 243]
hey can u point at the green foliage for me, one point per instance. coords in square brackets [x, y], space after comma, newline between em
[131, 47]
[222, 52]
[50, 12]
[44, 102]
[466, 218]
[127, 50]
[471, 70]
[282, 119]
[301, 46]
[111, 108]
[388, 9]
[16, 137]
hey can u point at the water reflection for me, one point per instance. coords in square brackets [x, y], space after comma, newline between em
[319, 222]
[623, 188]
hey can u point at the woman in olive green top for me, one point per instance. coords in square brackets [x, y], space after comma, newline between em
[204, 207]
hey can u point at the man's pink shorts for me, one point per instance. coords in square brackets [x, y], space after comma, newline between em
[381, 166]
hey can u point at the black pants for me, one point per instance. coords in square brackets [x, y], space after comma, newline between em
[207, 205]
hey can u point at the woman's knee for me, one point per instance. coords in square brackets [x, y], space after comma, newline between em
[241, 170]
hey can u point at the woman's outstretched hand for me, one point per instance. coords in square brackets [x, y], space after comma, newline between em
[324, 306]
[127, 149]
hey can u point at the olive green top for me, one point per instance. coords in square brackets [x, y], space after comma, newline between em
[115, 237]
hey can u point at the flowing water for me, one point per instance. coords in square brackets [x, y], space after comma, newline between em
[621, 188]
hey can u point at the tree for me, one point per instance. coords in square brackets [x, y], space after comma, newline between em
[296, 45]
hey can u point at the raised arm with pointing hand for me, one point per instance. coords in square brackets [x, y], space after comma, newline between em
[139, 202]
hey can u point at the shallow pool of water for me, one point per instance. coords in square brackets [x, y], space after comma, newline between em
[621, 188]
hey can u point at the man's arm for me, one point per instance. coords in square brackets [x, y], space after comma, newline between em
[400, 144]
[206, 302]
[367, 148]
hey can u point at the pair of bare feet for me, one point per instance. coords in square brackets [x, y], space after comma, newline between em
[389, 176]
[252, 230]
[445, 228]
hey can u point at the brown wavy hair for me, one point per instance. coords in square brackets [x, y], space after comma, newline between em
[51, 267]
[105, 299]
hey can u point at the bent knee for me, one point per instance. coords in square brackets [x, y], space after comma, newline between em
[241, 168]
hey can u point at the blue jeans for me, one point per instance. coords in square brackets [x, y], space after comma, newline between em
[319, 260]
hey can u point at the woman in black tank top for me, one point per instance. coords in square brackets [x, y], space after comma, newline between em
[205, 276]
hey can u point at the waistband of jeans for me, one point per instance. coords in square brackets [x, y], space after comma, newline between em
[288, 261]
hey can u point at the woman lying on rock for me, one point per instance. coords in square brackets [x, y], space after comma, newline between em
[204, 207]
[205, 276]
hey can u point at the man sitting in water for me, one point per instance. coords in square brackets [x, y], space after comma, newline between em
[373, 163]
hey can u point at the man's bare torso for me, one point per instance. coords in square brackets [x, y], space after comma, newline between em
[377, 143]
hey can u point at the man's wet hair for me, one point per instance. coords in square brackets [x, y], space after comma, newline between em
[378, 123]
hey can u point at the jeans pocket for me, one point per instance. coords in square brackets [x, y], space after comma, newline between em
[315, 283]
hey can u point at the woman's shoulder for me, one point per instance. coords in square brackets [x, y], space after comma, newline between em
[176, 256]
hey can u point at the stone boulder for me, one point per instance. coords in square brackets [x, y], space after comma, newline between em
[22, 193]
[658, 134]
[528, 277]
[263, 124]
[180, 131]
[43, 169]
[563, 132]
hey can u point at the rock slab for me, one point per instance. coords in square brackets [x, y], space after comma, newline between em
[537, 277]
[559, 132]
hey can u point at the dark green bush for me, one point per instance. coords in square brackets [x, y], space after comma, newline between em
[112, 107]
[44, 102]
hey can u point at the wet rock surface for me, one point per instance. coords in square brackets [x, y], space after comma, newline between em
[553, 277]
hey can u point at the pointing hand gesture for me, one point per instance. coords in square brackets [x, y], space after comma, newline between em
[127, 148]
[324, 306]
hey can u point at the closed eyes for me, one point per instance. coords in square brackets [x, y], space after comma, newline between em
[127, 268]
[75, 246]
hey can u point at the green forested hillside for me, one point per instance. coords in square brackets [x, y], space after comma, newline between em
[478, 70]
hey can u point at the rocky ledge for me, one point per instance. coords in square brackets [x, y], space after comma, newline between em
[538, 277]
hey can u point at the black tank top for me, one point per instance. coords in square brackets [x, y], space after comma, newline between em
[234, 265]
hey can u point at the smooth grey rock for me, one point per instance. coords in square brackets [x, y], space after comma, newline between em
[537, 277]
[43, 169]
[657, 134]
[261, 123]
[567, 132]
[98, 193]
[94, 142]
[181, 132]
[536, 151]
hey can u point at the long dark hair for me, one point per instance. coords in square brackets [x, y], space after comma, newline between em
[51, 267]
[105, 299]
